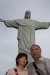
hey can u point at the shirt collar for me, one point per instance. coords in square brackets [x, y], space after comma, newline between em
[41, 58]
[20, 70]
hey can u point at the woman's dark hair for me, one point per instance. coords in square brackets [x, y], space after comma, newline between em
[21, 55]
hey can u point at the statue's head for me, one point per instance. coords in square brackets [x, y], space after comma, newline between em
[27, 14]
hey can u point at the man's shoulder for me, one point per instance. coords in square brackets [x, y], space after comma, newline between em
[30, 64]
[46, 60]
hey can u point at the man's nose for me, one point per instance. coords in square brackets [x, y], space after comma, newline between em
[34, 50]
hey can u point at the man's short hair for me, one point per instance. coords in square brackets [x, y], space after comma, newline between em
[35, 45]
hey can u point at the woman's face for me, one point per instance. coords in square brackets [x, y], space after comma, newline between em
[22, 61]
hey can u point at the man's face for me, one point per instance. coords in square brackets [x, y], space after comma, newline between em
[27, 15]
[35, 52]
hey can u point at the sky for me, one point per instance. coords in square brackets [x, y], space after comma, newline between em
[15, 9]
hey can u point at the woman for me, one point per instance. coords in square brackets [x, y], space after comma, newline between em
[20, 69]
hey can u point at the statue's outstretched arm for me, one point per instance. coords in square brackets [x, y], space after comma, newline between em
[1, 20]
[41, 25]
[10, 23]
[49, 23]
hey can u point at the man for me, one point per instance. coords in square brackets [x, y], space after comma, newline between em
[40, 64]
[26, 31]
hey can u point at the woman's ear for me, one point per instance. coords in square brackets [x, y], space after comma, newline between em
[17, 60]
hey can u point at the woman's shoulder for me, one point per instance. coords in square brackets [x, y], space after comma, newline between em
[10, 71]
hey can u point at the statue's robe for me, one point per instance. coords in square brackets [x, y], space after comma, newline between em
[26, 33]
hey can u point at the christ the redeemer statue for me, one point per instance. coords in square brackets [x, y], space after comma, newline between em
[26, 31]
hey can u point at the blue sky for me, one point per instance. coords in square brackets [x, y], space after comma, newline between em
[15, 9]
